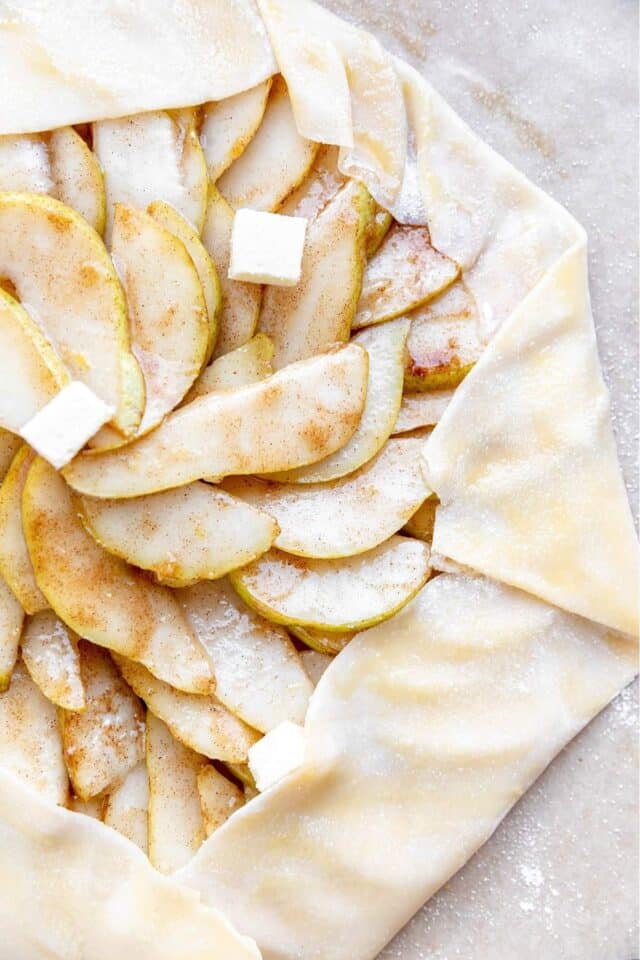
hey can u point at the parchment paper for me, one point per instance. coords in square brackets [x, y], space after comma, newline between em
[552, 86]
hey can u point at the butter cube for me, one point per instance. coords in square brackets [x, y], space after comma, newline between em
[279, 753]
[61, 429]
[267, 248]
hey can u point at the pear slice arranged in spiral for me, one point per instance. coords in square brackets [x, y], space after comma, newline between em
[325, 520]
[67, 282]
[274, 162]
[153, 156]
[307, 318]
[229, 125]
[193, 533]
[405, 272]
[299, 415]
[335, 595]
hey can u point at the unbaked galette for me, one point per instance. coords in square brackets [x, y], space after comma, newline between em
[314, 547]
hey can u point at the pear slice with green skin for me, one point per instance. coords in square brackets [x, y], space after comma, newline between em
[175, 824]
[240, 301]
[101, 597]
[68, 284]
[385, 347]
[315, 664]
[219, 798]
[378, 229]
[99, 755]
[170, 329]
[299, 415]
[201, 723]
[419, 410]
[11, 621]
[444, 342]
[30, 738]
[335, 595]
[193, 533]
[15, 562]
[32, 373]
[244, 365]
[347, 516]
[50, 652]
[258, 672]
[318, 188]
[403, 274]
[275, 161]
[320, 641]
[170, 219]
[58, 163]
[127, 807]
[421, 524]
[153, 156]
[306, 319]
[10, 443]
[229, 125]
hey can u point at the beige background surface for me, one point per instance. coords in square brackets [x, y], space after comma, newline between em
[551, 84]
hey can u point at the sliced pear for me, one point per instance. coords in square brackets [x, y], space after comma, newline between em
[201, 723]
[30, 740]
[176, 823]
[77, 176]
[98, 595]
[385, 347]
[306, 319]
[229, 125]
[170, 219]
[10, 443]
[58, 163]
[297, 416]
[127, 807]
[25, 164]
[274, 162]
[423, 521]
[244, 365]
[419, 410]
[50, 653]
[378, 229]
[192, 533]
[93, 807]
[315, 664]
[153, 156]
[240, 301]
[15, 563]
[346, 516]
[403, 274]
[335, 595]
[64, 277]
[11, 620]
[219, 798]
[106, 740]
[259, 676]
[321, 641]
[444, 341]
[318, 188]
[32, 373]
[170, 331]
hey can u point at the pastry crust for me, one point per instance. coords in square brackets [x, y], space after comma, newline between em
[422, 733]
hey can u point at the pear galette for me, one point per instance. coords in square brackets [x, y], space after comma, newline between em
[313, 541]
